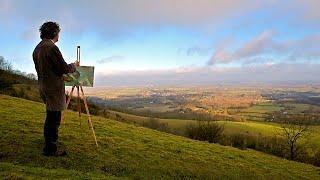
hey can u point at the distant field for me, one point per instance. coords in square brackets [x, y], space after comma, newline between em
[233, 103]
[206, 100]
[264, 107]
[155, 108]
[258, 112]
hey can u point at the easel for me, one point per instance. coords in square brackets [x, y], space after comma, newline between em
[79, 87]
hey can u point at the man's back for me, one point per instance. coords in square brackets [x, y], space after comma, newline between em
[43, 56]
[50, 67]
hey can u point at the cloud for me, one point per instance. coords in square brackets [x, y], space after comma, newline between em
[118, 18]
[30, 34]
[197, 50]
[310, 9]
[266, 46]
[264, 42]
[111, 59]
[256, 74]
[114, 18]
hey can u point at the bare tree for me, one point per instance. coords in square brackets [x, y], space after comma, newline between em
[31, 76]
[5, 65]
[294, 131]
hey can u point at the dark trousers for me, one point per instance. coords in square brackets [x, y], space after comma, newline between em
[50, 131]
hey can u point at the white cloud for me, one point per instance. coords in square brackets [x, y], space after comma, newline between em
[265, 47]
[197, 50]
[263, 73]
[310, 9]
[114, 17]
[111, 59]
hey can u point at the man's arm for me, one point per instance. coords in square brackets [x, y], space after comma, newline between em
[60, 67]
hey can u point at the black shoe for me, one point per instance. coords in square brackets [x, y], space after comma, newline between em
[55, 154]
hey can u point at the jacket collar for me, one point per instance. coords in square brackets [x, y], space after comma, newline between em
[48, 40]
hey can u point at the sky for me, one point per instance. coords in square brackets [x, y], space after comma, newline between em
[172, 42]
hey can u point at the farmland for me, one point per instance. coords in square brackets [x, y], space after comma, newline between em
[214, 103]
[249, 112]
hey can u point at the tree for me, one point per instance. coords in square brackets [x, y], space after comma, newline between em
[155, 123]
[293, 132]
[119, 117]
[5, 65]
[32, 76]
[209, 131]
[2, 61]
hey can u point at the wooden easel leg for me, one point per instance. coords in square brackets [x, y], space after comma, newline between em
[89, 117]
[79, 104]
[68, 101]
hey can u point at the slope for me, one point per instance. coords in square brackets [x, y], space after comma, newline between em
[125, 151]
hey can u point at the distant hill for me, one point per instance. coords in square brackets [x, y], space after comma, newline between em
[125, 151]
[18, 85]
[21, 86]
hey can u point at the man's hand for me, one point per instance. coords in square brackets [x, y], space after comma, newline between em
[66, 78]
[77, 63]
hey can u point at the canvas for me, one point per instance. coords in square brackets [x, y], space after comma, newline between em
[84, 76]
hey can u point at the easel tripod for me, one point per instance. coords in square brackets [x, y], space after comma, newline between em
[79, 87]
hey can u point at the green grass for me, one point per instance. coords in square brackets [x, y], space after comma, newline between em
[230, 127]
[12, 171]
[264, 107]
[155, 108]
[27, 91]
[250, 128]
[176, 125]
[125, 151]
[258, 112]
[298, 107]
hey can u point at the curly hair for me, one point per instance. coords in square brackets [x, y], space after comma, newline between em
[49, 30]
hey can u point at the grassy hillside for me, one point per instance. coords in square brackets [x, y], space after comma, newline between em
[18, 85]
[230, 127]
[125, 151]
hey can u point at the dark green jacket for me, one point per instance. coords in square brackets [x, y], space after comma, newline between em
[50, 67]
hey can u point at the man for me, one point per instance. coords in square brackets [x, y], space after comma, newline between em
[50, 67]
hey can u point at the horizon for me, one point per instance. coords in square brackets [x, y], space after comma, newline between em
[173, 43]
